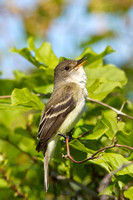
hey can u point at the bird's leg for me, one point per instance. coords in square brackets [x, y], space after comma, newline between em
[68, 135]
[68, 155]
[64, 136]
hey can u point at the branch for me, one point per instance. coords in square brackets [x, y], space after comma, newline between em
[5, 97]
[83, 187]
[119, 112]
[93, 156]
[107, 179]
[11, 185]
[85, 133]
[39, 95]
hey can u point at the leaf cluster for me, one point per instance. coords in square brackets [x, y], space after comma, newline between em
[19, 120]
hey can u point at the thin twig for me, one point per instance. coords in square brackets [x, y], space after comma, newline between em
[119, 112]
[122, 106]
[43, 95]
[5, 97]
[114, 139]
[93, 156]
[85, 133]
[85, 188]
[39, 95]
[124, 146]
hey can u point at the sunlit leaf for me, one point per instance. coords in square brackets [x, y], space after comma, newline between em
[27, 54]
[26, 98]
[129, 193]
[46, 55]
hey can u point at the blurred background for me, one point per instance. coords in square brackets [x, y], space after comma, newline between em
[70, 26]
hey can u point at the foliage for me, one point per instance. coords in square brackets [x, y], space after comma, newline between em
[110, 6]
[22, 166]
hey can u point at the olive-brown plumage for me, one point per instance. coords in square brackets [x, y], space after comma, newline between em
[64, 108]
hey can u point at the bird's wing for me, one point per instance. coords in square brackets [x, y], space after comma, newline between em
[54, 114]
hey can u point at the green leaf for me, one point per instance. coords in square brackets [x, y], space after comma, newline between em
[3, 183]
[13, 118]
[22, 132]
[129, 193]
[108, 190]
[44, 89]
[107, 125]
[26, 98]
[94, 59]
[17, 141]
[25, 52]
[112, 161]
[123, 136]
[98, 131]
[109, 118]
[46, 55]
[31, 44]
[103, 80]
[109, 72]
[79, 146]
[36, 79]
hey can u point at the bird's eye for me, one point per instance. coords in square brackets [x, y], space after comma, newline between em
[66, 68]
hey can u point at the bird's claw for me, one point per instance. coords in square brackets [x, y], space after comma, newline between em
[65, 136]
[68, 135]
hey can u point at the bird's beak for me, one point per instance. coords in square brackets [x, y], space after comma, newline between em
[81, 62]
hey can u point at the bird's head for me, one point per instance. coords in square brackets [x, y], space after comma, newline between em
[70, 71]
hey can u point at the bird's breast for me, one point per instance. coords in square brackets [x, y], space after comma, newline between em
[74, 116]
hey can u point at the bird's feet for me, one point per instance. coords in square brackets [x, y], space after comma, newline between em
[68, 135]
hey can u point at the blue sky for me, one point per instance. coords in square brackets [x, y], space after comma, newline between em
[65, 34]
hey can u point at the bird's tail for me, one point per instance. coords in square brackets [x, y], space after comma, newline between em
[49, 152]
[46, 170]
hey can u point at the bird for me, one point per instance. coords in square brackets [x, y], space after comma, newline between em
[63, 109]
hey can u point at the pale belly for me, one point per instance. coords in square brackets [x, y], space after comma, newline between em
[72, 118]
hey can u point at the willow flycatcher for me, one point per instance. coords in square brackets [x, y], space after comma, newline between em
[64, 108]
